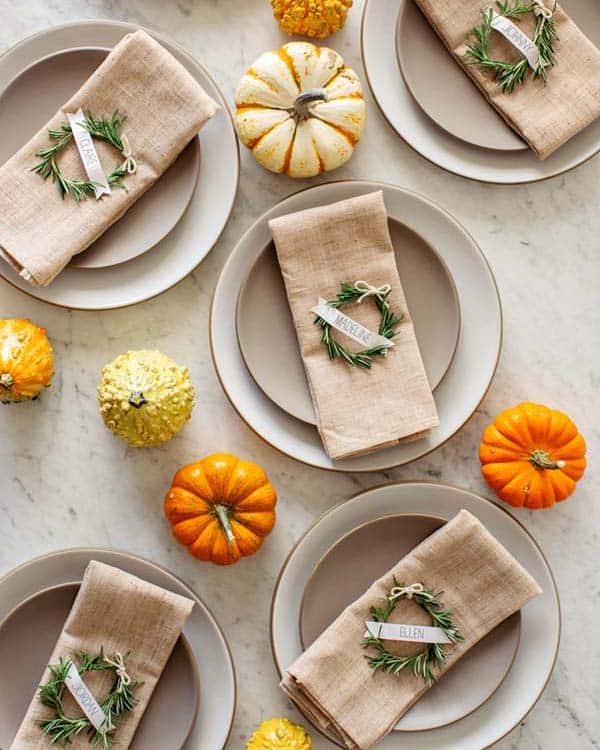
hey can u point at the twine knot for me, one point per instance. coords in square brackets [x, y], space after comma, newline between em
[130, 164]
[368, 290]
[541, 10]
[407, 591]
[119, 664]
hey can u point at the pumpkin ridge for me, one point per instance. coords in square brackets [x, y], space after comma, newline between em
[287, 60]
[337, 73]
[253, 74]
[288, 154]
[253, 144]
[352, 140]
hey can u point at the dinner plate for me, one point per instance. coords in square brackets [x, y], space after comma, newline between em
[177, 254]
[34, 96]
[540, 618]
[437, 83]
[463, 386]
[407, 118]
[208, 645]
[430, 295]
[27, 638]
[365, 554]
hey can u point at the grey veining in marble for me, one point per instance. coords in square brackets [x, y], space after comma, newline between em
[66, 481]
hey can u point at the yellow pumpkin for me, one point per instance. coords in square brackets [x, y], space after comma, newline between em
[300, 110]
[314, 18]
[26, 360]
[221, 508]
[532, 456]
[279, 734]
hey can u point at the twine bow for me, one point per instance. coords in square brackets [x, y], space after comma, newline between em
[372, 291]
[541, 10]
[407, 591]
[119, 664]
[130, 164]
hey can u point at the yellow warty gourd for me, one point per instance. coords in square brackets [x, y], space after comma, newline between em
[279, 734]
[314, 18]
[145, 398]
[26, 360]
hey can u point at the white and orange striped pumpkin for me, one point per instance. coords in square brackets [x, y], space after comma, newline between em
[300, 110]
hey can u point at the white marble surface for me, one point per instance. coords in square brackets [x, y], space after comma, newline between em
[66, 481]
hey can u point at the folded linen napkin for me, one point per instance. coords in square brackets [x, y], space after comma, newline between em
[545, 115]
[482, 585]
[165, 108]
[358, 410]
[119, 613]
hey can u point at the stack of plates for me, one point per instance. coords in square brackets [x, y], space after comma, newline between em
[453, 301]
[490, 690]
[433, 105]
[174, 225]
[35, 600]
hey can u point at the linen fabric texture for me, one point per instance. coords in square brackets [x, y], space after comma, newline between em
[482, 585]
[120, 613]
[165, 108]
[358, 410]
[546, 115]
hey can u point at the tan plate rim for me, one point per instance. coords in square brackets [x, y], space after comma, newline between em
[362, 526]
[439, 484]
[438, 257]
[77, 584]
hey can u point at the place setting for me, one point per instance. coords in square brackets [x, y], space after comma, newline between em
[519, 119]
[164, 205]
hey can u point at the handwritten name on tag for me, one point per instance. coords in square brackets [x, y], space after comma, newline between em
[86, 701]
[344, 324]
[390, 631]
[88, 154]
[520, 41]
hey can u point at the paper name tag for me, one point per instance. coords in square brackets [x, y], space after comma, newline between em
[88, 154]
[86, 701]
[344, 324]
[520, 41]
[391, 631]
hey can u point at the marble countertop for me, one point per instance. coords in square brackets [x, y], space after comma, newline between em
[67, 482]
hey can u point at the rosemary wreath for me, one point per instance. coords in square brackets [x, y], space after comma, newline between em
[107, 129]
[387, 327]
[423, 662]
[510, 74]
[62, 728]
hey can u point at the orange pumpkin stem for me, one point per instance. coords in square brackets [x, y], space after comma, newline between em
[541, 460]
[6, 379]
[222, 513]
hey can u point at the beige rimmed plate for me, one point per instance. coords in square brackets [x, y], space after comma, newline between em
[443, 90]
[27, 637]
[431, 297]
[362, 556]
[209, 648]
[540, 618]
[32, 99]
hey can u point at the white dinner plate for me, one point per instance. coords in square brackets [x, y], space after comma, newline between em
[201, 225]
[205, 638]
[463, 386]
[430, 295]
[407, 118]
[540, 618]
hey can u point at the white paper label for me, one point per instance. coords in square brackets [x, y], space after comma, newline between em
[391, 631]
[351, 328]
[520, 41]
[86, 701]
[88, 153]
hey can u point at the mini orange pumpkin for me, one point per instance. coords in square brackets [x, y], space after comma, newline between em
[221, 507]
[26, 360]
[532, 456]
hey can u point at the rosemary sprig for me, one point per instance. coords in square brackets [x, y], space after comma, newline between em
[422, 663]
[103, 129]
[62, 728]
[511, 74]
[387, 328]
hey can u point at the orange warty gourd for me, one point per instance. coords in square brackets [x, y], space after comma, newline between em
[532, 456]
[221, 508]
[26, 360]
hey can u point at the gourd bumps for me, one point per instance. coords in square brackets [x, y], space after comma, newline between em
[314, 18]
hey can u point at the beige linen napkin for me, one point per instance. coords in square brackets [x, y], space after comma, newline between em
[545, 115]
[120, 613]
[358, 410]
[165, 109]
[482, 585]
